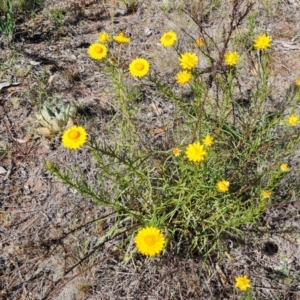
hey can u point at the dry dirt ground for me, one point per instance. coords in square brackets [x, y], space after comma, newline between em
[47, 239]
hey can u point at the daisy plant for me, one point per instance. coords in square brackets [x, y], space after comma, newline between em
[103, 37]
[168, 39]
[139, 67]
[121, 38]
[243, 284]
[183, 77]
[150, 241]
[214, 165]
[74, 137]
[97, 51]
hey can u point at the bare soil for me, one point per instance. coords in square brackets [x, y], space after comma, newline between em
[48, 242]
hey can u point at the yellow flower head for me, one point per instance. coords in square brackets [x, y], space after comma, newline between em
[208, 140]
[265, 194]
[183, 77]
[150, 241]
[103, 37]
[223, 186]
[231, 58]
[242, 283]
[97, 51]
[199, 42]
[121, 38]
[139, 67]
[74, 137]
[176, 151]
[284, 167]
[168, 39]
[293, 120]
[262, 42]
[188, 60]
[195, 152]
[298, 82]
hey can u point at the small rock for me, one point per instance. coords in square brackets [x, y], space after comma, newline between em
[2, 170]
[148, 31]
[120, 12]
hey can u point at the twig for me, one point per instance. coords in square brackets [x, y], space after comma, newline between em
[8, 172]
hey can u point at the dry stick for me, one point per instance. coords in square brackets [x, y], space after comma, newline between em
[204, 33]
[218, 65]
[276, 289]
[58, 240]
[14, 140]
[70, 279]
[11, 136]
[22, 284]
[8, 171]
[234, 15]
[82, 260]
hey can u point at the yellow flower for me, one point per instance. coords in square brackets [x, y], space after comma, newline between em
[103, 37]
[183, 77]
[139, 67]
[262, 42]
[74, 137]
[121, 38]
[150, 241]
[242, 282]
[208, 140]
[298, 82]
[199, 42]
[168, 39]
[223, 186]
[266, 194]
[231, 58]
[176, 151]
[284, 167]
[97, 51]
[188, 60]
[293, 120]
[195, 152]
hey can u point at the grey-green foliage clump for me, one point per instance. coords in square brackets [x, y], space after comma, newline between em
[54, 117]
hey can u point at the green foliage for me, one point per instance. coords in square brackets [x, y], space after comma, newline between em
[21, 5]
[8, 8]
[7, 23]
[145, 184]
[57, 16]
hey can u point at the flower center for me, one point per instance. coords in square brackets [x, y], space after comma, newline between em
[168, 37]
[150, 240]
[190, 61]
[139, 66]
[73, 135]
[99, 49]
